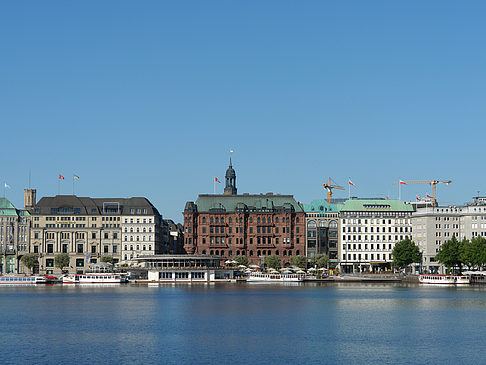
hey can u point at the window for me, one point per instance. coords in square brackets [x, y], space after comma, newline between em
[105, 249]
[93, 235]
[65, 248]
[93, 249]
[50, 248]
[80, 248]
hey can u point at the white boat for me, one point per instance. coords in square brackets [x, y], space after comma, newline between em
[443, 279]
[92, 278]
[274, 278]
[21, 280]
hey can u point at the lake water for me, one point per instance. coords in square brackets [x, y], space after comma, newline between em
[243, 324]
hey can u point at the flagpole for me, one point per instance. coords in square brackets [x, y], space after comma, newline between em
[58, 186]
[399, 189]
[214, 186]
[349, 189]
[73, 184]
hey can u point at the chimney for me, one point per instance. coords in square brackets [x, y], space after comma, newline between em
[29, 198]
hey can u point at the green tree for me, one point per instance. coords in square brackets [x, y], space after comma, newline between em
[449, 254]
[299, 261]
[320, 260]
[241, 260]
[273, 261]
[61, 260]
[30, 260]
[406, 252]
[107, 258]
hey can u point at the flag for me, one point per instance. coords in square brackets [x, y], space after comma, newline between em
[61, 177]
[7, 186]
[351, 183]
[416, 197]
[428, 196]
[231, 151]
[402, 182]
[216, 179]
[76, 177]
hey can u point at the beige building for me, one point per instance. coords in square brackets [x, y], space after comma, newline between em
[85, 228]
[432, 226]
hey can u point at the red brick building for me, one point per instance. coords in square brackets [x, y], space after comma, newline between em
[252, 225]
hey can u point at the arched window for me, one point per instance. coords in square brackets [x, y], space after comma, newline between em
[259, 253]
[203, 252]
[322, 224]
[211, 252]
[284, 253]
[311, 224]
[251, 252]
[333, 224]
[217, 252]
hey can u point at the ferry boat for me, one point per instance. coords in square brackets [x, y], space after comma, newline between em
[21, 280]
[443, 279]
[92, 278]
[274, 278]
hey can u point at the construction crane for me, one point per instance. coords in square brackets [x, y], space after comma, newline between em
[329, 186]
[432, 183]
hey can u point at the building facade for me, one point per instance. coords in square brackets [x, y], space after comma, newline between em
[432, 226]
[255, 226]
[90, 228]
[14, 237]
[322, 230]
[369, 231]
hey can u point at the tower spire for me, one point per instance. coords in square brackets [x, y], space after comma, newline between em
[230, 188]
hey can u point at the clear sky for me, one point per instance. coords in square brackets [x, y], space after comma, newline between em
[145, 98]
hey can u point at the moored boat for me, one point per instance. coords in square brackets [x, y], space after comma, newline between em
[443, 279]
[92, 278]
[21, 280]
[274, 278]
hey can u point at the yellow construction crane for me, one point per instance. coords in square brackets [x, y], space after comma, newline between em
[329, 186]
[432, 183]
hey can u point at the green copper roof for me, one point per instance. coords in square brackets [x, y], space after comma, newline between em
[7, 208]
[321, 206]
[5, 204]
[382, 205]
[261, 203]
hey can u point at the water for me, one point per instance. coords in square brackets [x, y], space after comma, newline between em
[243, 324]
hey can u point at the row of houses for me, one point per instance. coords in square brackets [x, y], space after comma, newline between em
[84, 228]
[358, 235]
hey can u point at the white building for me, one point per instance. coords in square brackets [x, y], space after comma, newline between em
[432, 226]
[369, 231]
[141, 226]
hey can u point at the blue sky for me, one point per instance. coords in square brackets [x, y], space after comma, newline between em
[147, 98]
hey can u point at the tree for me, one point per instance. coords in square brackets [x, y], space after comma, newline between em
[241, 260]
[61, 260]
[449, 253]
[473, 253]
[30, 260]
[273, 261]
[320, 260]
[406, 252]
[107, 258]
[300, 261]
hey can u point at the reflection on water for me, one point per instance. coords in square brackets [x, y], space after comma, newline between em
[243, 323]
